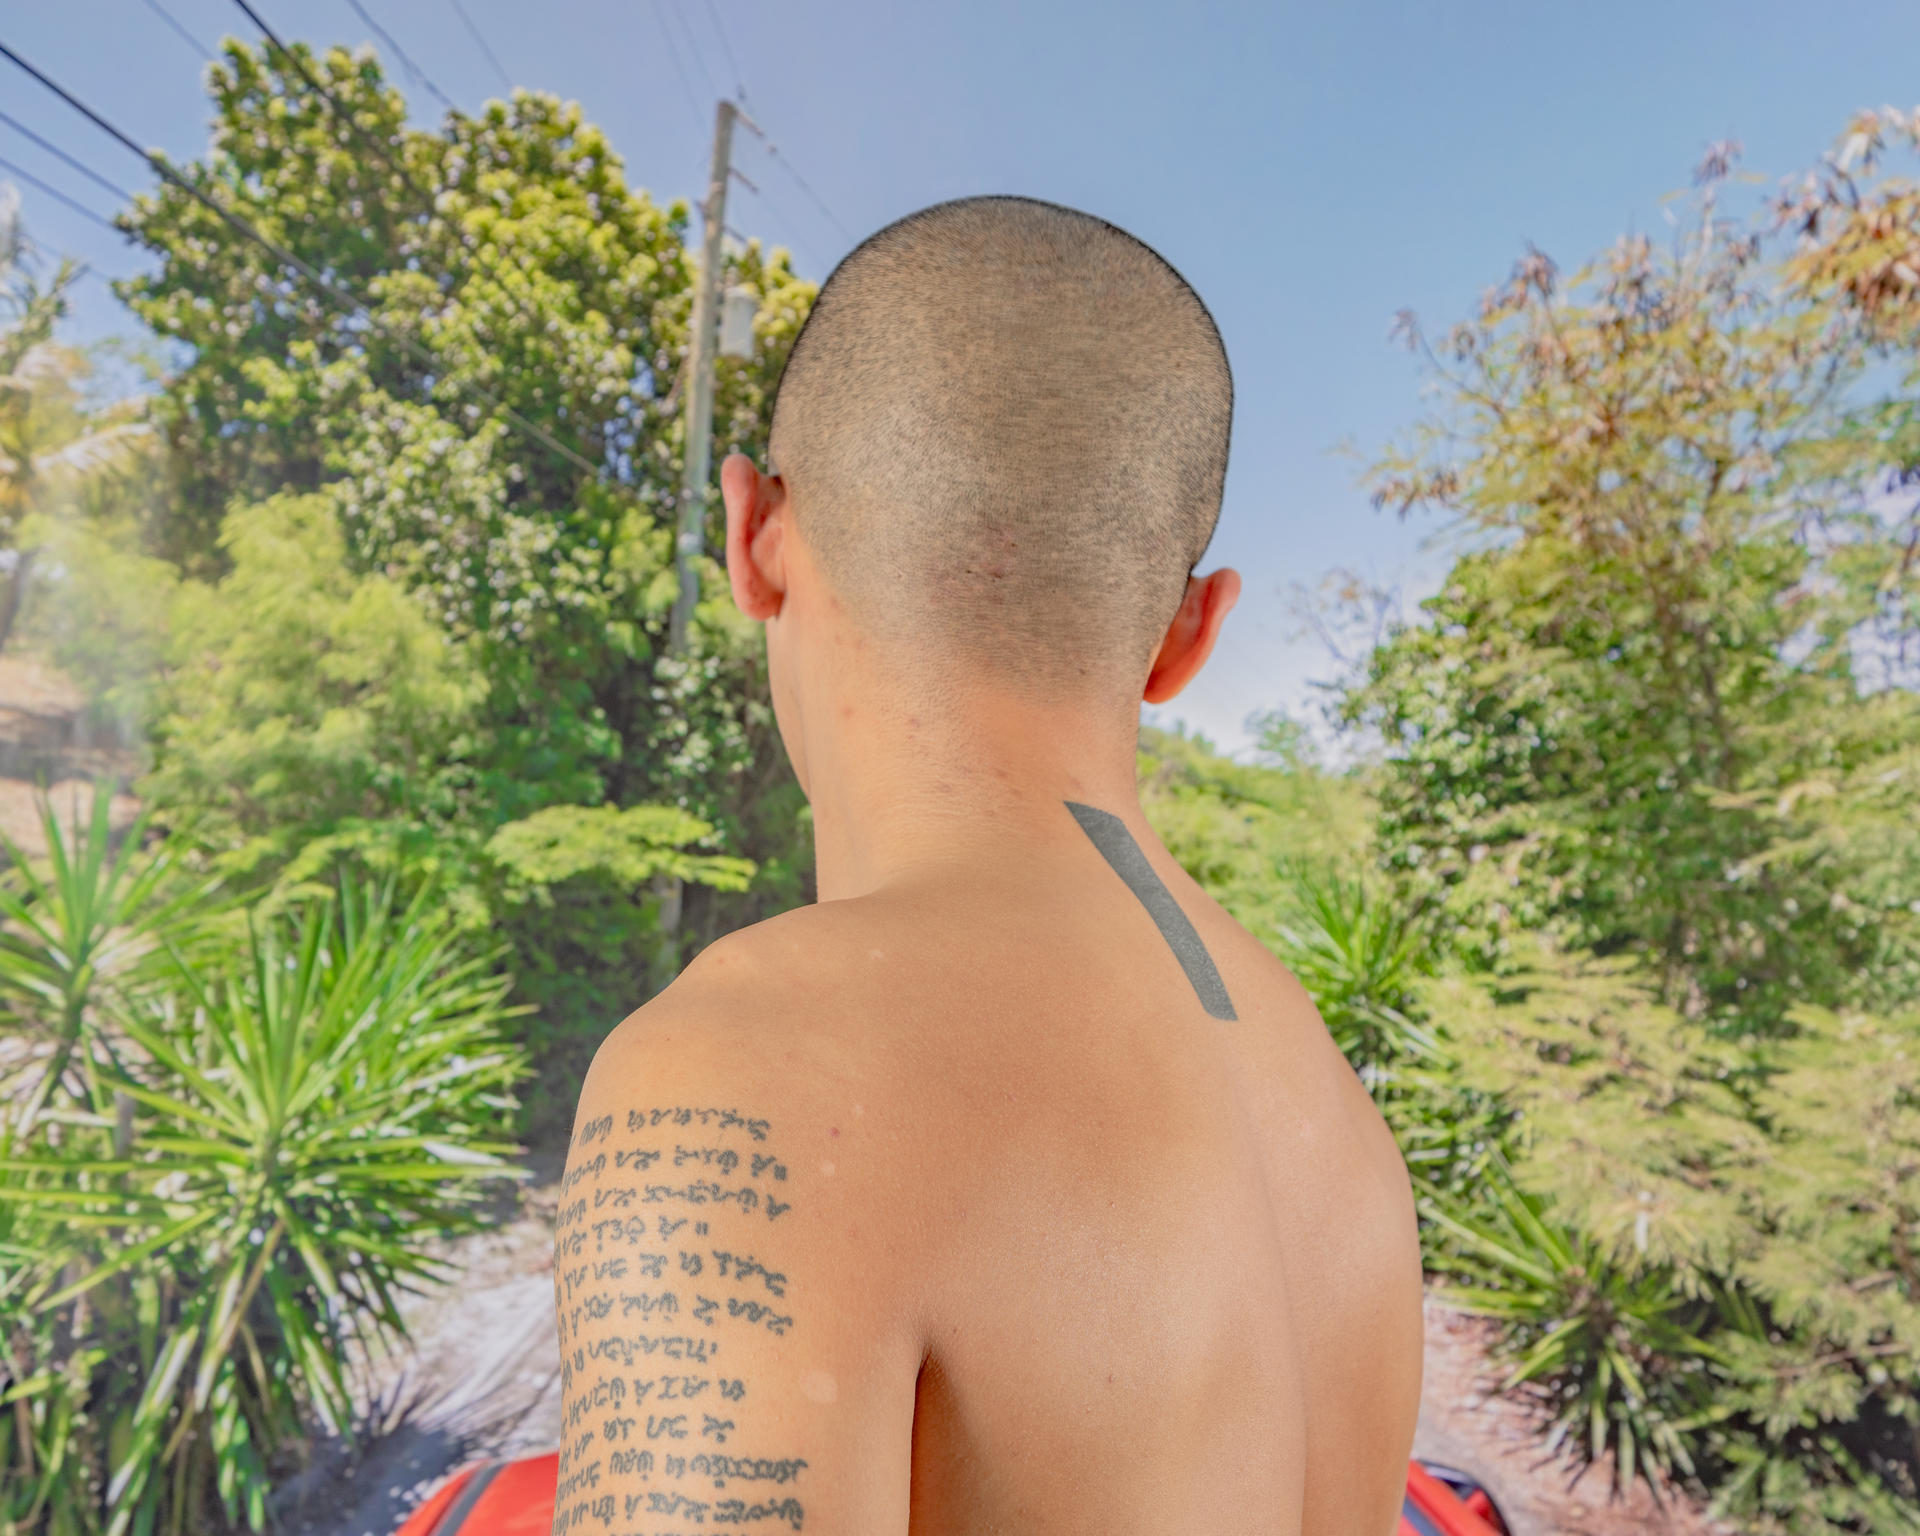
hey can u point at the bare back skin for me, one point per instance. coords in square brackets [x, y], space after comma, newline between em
[1013, 1187]
[1148, 1270]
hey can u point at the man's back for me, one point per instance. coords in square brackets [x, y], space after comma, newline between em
[1013, 1186]
[1149, 1270]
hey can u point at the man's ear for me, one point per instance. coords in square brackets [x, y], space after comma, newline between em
[756, 564]
[1189, 639]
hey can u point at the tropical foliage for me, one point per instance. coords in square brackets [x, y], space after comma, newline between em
[221, 1160]
[1650, 770]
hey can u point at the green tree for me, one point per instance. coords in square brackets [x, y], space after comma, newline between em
[1230, 823]
[508, 250]
[1651, 763]
[1630, 706]
[520, 592]
[309, 702]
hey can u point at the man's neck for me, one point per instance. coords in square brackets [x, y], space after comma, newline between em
[901, 796]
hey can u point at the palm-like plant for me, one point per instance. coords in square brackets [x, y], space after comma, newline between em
[44, 1477]
[1365, 959]
[85, 934]
[1618, 1352]
[313, 1111]
[1360, 956]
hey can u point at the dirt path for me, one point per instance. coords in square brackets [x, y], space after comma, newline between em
[483, 1381]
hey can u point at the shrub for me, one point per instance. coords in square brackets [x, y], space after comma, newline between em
[281, 1129]
[1616, 1351]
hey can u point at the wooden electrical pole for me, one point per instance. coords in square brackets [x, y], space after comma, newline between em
[690, 540]
[699, 419]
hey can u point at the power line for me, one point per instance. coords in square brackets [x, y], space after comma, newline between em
[727, 48]
[461, 11]
[340, 111]
[792, 170]
[400, 53]
[673, 53]
[181, 32]
[773, 149]
[772, 207]
[693, 47]
[304, 268]
[54, 149]
[57, 195]
[333, 102]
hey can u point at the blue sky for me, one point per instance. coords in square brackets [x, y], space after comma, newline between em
[1310, 169]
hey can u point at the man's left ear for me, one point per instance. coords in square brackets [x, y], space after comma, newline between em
[1190, 637]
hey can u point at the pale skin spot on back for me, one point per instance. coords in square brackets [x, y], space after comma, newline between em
[819, 1387]
[827, 1168]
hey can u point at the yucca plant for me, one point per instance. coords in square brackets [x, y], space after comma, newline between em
[83, 932]
[1618, 1353]
[1360, 956]
[46, 1475]
[312, 1114]
[1364, 957]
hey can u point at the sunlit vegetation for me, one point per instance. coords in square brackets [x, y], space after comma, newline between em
[1618, 918]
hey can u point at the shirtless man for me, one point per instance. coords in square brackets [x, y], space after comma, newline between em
[1013, 1187]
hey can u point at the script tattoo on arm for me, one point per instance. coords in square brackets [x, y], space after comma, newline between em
[665, 1259]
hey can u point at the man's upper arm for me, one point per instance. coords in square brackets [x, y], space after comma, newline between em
[728, 1361]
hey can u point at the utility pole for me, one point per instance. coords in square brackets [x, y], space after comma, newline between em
[698, 465]
[699, 418]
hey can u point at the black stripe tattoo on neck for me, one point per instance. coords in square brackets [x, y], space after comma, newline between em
[1110, 835]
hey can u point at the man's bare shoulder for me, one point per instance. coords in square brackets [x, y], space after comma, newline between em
[737, 1342]
[773, 1015]
[789, 982]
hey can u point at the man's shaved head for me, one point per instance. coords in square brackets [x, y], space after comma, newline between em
[1003, 433]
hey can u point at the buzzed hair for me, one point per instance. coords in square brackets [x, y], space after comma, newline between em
[1003, 430]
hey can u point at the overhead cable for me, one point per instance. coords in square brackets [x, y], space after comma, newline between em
[460, 10]
[304, 268]
[773, 149]
[54, 149]
[772, 207]
[179, 31]
[339, 109]
[693, 47]
[334, 103]
[726, 47]
[55, 193]
[673, 53]
[760, 133]
[400, 53]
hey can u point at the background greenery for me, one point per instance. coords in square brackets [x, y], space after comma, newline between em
[1614, 904]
